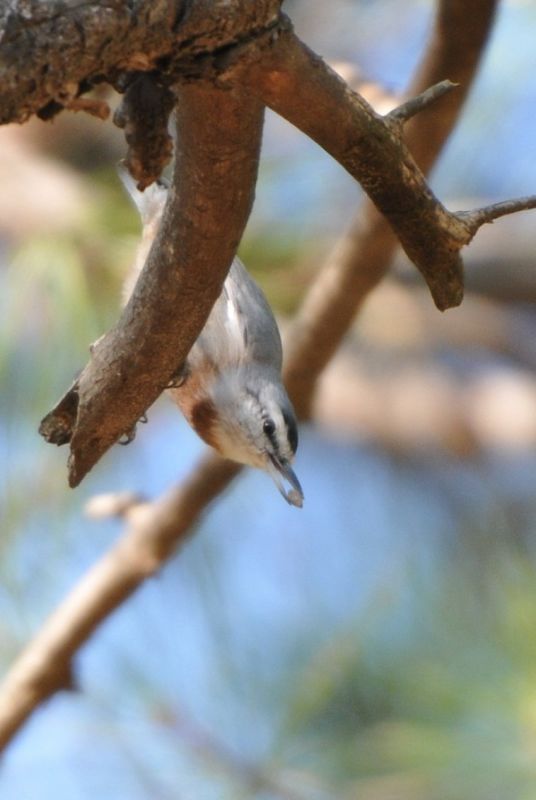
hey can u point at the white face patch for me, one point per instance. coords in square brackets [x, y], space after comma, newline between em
[254, 421]
[233, 445]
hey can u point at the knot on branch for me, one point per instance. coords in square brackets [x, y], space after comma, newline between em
[58, 425]
[144, 114]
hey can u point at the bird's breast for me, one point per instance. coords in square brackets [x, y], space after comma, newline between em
[194, 401]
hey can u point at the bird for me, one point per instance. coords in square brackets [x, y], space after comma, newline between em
[230, 388]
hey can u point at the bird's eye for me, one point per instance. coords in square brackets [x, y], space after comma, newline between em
[269, 427]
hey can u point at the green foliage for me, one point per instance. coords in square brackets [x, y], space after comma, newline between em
[435, 699]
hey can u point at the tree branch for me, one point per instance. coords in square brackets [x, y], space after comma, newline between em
[216, 163]
[52, 52]
[362, 257]
[299, 86]
[254, 778]
[144, 114]
[153, 532]
[286, 75]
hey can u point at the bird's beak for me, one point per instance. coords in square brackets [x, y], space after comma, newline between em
[281, 471]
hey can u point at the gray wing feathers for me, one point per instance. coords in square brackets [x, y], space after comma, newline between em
[241, 326]
[255, 315]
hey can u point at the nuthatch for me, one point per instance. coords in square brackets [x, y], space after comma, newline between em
[230, 388]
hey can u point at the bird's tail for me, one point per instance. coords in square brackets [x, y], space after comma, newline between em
[150, 202]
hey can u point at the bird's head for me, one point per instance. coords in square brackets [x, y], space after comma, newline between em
[250, 419]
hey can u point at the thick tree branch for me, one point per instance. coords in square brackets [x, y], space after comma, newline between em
[51, 52]
[216, 163]
[285, 75]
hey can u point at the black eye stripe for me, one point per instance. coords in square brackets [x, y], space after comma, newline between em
[292, 431]
[269, 427]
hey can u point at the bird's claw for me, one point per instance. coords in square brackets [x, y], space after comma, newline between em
[130, 435]
[178, 377]
[127, 437]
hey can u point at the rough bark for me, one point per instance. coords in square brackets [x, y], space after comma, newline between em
[52, 51]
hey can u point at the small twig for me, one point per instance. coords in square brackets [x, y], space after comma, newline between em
[255, 777]
[417, 104]
[91, 105]
[114, 504]
[488, 214]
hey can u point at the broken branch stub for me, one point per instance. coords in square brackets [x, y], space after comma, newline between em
[143, 115]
